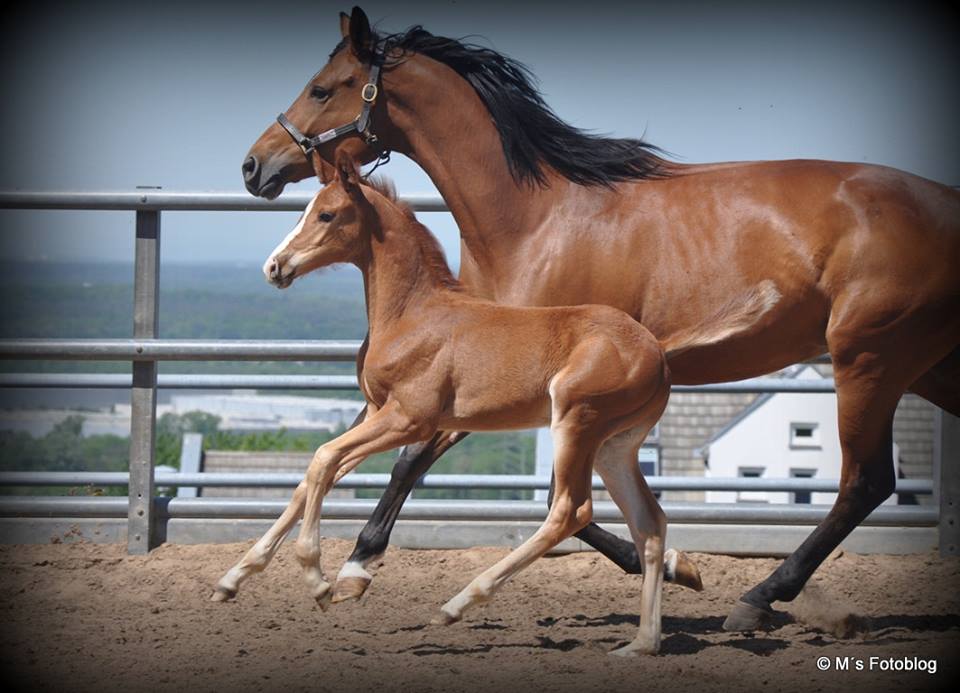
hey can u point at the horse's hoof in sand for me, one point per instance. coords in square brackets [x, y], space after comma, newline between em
[323, 600]
[684, 571]
[443, 619]
[635, 649]
[349, 588]
[746, 617]
[222, 594]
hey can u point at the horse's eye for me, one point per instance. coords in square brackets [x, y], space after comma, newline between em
[320, 93]
[326, 216]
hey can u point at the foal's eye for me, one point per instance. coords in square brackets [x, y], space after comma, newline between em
[326, 216]
[320, 93]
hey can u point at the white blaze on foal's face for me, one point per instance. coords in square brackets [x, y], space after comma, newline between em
[321, 237]
[276, 268]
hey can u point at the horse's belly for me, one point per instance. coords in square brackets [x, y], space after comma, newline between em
[493, 414]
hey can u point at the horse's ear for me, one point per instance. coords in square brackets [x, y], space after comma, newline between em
[347, 173]
[344, 24]
[360, 35]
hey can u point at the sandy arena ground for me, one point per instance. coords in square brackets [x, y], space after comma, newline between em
[83, 617]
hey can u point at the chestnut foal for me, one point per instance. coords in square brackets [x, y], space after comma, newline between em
[440, 359]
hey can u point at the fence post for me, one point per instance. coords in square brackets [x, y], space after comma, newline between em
[946, 454]
[191, 461]
[142, 534]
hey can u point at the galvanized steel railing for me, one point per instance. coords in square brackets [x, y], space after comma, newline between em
[145, 512]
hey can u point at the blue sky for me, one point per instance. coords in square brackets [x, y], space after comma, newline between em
[114, 95]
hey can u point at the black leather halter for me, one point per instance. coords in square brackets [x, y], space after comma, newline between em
[360, 124]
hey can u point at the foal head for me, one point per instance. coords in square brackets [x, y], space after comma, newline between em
[335, 227]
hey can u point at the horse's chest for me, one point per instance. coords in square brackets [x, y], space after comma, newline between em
[393, 370]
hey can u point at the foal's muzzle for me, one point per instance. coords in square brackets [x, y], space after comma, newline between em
[273, 271]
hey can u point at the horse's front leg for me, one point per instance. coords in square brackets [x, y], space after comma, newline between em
[388, 428]
[413, 462]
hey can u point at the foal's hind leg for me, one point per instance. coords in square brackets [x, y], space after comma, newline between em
[572, 508]
[678, 569]
[617, 465]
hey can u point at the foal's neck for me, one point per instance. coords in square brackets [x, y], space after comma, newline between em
[403, 268]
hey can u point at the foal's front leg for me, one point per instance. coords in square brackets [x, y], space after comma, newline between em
[388, 428]
[259, 556]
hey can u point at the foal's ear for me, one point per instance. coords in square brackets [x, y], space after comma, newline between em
[360, 35]
[348, 174]
[344, 24]
[325, 172]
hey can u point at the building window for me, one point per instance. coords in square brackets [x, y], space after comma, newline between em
[751, 496]
[802, 496]
[805, 435]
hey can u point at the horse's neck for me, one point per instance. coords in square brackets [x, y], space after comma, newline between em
[447, 130]
[398, 273]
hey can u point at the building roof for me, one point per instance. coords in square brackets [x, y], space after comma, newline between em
[790, 373]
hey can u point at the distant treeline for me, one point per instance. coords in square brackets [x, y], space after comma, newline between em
[89, 300]
[196, 302]
[65, 449]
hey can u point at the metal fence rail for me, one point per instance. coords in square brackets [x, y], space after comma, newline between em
[321, 382]
[445, 481]
[335, 509]
[146, 200]
[145, 513]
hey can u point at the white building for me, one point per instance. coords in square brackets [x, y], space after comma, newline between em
[243, 411]
[780, 435]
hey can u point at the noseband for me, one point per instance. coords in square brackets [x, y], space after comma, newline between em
[360, 124]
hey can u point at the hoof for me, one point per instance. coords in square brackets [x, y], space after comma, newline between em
[746, 617]
[685, 572]
[636, 650]
[349, 588]
[443, 619]
[323, 600]
[222, 594]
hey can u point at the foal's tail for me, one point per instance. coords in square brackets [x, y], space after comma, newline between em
[737, 315]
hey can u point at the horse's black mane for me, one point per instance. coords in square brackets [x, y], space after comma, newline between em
[532, 135]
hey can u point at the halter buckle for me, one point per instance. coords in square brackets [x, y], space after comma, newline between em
[369, 92]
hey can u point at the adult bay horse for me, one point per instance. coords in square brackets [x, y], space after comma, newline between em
[591, 372]
[863, 258]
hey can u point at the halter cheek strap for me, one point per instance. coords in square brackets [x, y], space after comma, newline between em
[360, 124]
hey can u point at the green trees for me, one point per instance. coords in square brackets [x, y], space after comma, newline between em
[65, 448]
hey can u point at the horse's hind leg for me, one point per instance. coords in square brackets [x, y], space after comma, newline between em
[412, 463]
[941, 384]
[875, 359]
[571, 510]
